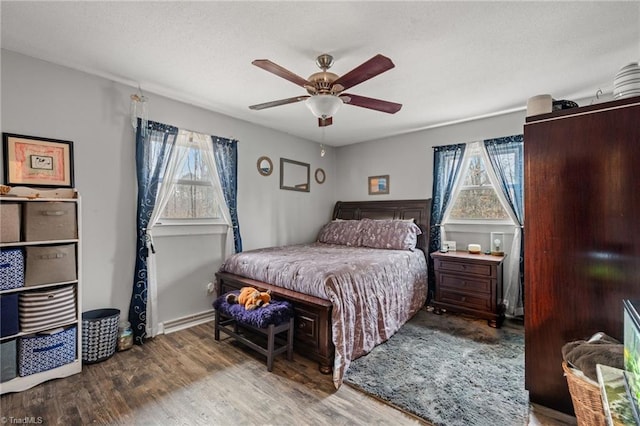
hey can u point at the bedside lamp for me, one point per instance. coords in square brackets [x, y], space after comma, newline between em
[497, 243]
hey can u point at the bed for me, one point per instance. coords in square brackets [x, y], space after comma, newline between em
[349, 294]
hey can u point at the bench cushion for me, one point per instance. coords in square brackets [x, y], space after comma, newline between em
[276, 312]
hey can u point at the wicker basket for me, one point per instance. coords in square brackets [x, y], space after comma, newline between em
[587, 399]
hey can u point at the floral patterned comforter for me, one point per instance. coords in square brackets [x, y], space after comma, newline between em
[373, 291]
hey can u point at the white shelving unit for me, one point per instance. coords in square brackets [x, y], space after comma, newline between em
[22, 383]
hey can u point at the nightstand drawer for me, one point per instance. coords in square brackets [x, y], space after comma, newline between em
[456, 282]
[467, 268]
[465, 300]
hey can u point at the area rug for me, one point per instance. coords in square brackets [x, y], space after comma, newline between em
[449, 370]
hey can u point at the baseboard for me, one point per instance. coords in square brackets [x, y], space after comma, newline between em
[186, 322]
[553, 414]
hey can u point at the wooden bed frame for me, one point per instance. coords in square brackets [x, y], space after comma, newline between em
[312, 337]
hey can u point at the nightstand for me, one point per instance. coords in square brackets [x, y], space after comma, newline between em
[470, 284]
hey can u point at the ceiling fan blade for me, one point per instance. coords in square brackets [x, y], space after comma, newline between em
[371, 103]
[322, 122]
[374, 66]
[278, 103]
[276, 69]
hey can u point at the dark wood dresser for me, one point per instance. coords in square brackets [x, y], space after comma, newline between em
[469, 283]
[581, 233]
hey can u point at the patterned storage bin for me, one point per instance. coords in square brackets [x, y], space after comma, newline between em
[11, 268]
[99, 334]
[47, 308]
[43, 352]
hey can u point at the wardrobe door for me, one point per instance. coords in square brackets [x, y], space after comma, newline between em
[582, 226]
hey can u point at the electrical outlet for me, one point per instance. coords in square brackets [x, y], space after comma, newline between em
[210, 288]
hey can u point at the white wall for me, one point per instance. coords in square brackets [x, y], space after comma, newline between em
[43, 99]
[47, 100]
[408, 159]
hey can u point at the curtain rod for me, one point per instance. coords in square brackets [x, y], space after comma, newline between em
[202, 133]
[193, 131]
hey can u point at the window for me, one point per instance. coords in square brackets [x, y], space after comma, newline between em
[475, 198]
[193, 199]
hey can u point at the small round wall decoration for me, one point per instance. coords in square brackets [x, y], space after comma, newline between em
[320, 176]
[265, 166]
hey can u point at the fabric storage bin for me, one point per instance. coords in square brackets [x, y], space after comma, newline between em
[99, 334]
[10, 220]
[11, 268]
[50, 220]
[8, 315]
[8, 358]
[50, 264]
[45, 351]
[47, 308]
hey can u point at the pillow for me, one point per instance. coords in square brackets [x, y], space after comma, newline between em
[344, 232]
[389, 234]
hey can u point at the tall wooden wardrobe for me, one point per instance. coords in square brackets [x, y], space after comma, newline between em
[582, 234]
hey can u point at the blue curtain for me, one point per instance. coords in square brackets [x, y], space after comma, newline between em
[447, 161]
[154, 145]
[226, 154]
[506, 156]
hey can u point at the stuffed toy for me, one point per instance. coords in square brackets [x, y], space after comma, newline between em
[250, 297]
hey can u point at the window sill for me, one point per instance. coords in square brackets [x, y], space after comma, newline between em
[182, 229]
[480, 227]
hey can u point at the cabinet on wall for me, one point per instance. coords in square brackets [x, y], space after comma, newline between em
[40, 289]
[582, 234]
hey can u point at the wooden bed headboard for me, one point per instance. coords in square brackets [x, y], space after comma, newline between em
[418, 210]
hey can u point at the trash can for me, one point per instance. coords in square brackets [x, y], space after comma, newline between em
[99, 334]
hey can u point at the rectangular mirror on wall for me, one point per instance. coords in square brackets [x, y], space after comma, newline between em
[294, 175]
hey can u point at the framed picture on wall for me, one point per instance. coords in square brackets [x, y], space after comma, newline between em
[378, 185]
[35, 161]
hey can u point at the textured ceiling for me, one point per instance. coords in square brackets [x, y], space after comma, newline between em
[454, 60]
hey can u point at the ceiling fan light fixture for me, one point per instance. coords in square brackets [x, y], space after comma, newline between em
[325, 89]
[323, 106]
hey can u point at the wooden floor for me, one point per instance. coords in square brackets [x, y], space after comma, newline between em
[187, 378]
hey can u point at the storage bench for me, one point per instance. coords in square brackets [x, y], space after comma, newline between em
[269, 321]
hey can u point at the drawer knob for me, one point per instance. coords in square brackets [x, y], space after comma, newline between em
[463, 299]
[302, 325]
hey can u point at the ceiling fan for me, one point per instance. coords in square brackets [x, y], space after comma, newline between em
[325, 89]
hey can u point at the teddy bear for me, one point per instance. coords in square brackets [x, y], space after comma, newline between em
[250, 297]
